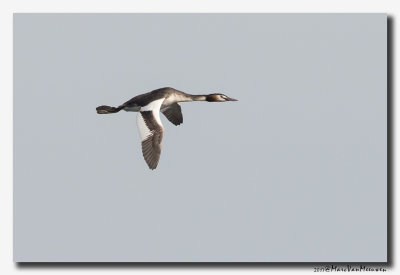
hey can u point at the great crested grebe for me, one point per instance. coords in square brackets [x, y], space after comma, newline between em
[148, 119]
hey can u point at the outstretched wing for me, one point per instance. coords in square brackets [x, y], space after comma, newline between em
[151, 132]
[173, 113]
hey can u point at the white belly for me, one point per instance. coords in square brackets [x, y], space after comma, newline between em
[174, 99]
[168, 101]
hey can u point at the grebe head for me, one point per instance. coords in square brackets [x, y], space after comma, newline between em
[219, 98]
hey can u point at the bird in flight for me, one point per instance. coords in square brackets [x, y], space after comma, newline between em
[148, 106]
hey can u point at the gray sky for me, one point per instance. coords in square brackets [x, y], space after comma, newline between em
[293, 171]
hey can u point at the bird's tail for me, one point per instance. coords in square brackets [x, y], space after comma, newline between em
[107, 109]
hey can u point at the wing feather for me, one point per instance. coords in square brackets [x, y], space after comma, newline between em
[173, 113]
[151, 132]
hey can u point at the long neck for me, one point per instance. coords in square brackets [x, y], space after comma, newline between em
[197, 97]
[184, 97]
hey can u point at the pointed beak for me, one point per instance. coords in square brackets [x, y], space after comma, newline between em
[230, 99]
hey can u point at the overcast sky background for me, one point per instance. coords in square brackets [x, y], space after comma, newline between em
[293, 171]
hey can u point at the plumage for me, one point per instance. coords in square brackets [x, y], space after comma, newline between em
[151, 132]
[148, 106]
[173, 113]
